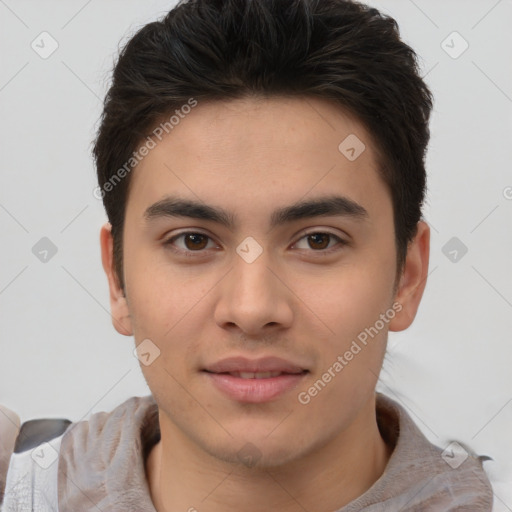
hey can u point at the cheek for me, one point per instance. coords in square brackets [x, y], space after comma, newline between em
[159, 294]
[347, 301]
[167, 305]
[350, 305]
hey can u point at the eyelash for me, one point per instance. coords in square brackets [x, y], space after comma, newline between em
[194, 254]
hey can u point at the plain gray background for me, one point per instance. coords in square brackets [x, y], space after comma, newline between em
[60, 355]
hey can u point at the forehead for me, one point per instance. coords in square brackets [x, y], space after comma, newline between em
[277, 123]
[257, 151]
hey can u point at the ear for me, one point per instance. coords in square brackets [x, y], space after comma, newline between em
[413, 279]
[118, 304]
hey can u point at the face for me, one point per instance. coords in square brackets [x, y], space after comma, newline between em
[264, 319]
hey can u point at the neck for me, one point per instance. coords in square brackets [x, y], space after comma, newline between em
[182, 477]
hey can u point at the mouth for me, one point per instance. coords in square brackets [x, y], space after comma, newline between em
[254, 381]
[256, 375]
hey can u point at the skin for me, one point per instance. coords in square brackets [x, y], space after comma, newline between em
[249, 157]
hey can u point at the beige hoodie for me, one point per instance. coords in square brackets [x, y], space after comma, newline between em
[101, 466]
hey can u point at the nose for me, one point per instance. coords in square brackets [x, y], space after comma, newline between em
[254, 298]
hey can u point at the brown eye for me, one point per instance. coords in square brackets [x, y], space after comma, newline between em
[319, 240]
[195, 241]
[188, 243]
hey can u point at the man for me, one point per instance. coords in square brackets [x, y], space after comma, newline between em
[262, 168]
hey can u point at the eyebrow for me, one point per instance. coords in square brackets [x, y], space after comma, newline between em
[173, 206]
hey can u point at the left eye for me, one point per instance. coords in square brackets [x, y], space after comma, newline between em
[319, 240]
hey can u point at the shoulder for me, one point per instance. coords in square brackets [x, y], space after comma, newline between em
[35, 452]
[115, 444]
[429, 476]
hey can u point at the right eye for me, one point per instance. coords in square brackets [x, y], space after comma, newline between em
[191, 241]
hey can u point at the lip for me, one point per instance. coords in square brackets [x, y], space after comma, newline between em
[263, 364]
[254, 390]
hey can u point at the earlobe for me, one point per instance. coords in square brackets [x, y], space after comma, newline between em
[118, 305]
[413, 279]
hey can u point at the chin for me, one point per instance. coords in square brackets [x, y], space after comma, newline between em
[259, 453]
